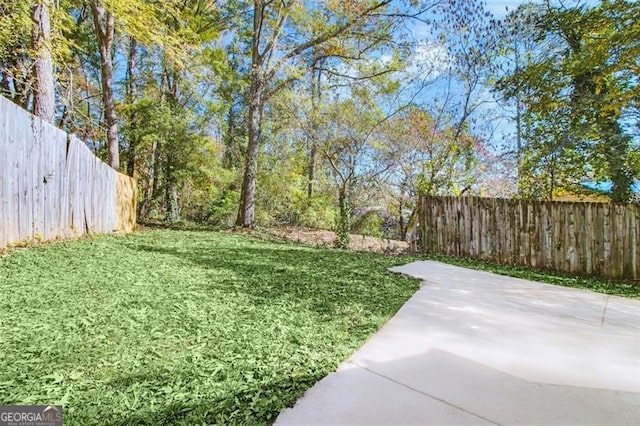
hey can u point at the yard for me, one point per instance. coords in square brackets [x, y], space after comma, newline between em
[191, 327]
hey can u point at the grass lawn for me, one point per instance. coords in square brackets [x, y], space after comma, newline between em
[183, 327]
[601, 285]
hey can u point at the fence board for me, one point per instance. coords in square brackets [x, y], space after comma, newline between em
[3, 165]
[12, 233]
[580, 238]
[22, 186]
[51, 184]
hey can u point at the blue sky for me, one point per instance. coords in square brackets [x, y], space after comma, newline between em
[488, 117]
[498, 7]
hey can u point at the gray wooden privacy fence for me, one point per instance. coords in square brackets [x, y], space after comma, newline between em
[51, 184]
[599, 239]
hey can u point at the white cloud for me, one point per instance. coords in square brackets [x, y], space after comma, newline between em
[430, 60]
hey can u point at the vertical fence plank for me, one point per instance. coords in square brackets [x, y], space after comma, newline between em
[4, 174]
[65, 220]
[37, 202]
[13, 139]
[627, 259]
[47, 146]
[73, 172]
[60, 139]
[585, 239]
[21, 182]
[545, 237]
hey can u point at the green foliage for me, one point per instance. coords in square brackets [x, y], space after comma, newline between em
[317, 212]
[551, 164]
[213, 200]
[221, 209]
[15, 27]
[369, 224]
[579, 89]
[17, 52]
[176, 27]
[171, 149]
[432, 158]
[281, 177]
[15, 46]
[183, 327]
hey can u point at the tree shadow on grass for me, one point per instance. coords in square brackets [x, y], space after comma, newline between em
[353, 288]
[323, 280]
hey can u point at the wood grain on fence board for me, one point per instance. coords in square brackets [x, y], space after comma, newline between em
[580, 238]
[52, 186]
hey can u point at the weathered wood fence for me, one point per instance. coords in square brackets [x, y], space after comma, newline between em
[599, 239]
[52, 186]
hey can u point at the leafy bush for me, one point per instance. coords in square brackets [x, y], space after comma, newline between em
[369, 224]
[319, 212]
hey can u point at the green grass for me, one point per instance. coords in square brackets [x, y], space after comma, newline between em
[183, 327]
[616, 288]
[194, 326]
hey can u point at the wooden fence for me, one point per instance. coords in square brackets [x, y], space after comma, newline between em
[52, 186]
[599, 239]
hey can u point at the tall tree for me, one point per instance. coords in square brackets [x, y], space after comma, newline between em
[104, 24]
[282, 34]
[353, 145]
[430, 158]
[515, 48]
[164, 85]
[44, 103]
[585, 70]
[26, 47]
[143, 21]
[131, 96]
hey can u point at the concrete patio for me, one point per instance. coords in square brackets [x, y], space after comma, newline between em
[472, 347]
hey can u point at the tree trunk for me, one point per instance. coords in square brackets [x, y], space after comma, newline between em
[171, 193]
[312, 169]
[344, 217]
[131, 97]
[149, 189]
[104, 25]
[402, 235]
[173, 209]
[230, 159]
[44, 105]
[246, 211]
[316, 75]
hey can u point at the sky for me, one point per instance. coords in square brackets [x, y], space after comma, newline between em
[498, 7]
[429, 52]
[433, 60]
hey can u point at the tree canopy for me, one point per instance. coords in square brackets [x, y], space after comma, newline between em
[333, 114]
[580, 90]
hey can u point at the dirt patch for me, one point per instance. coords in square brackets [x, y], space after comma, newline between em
[323, 238]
